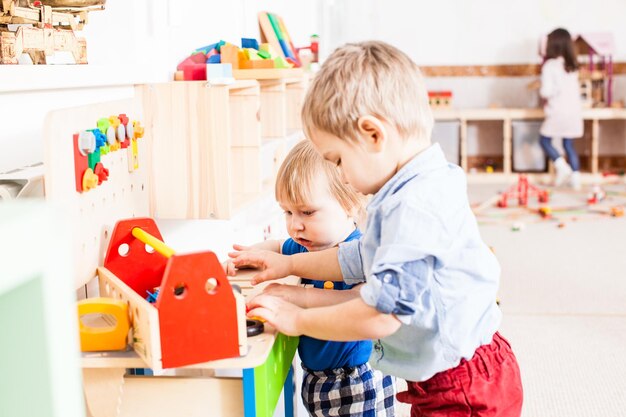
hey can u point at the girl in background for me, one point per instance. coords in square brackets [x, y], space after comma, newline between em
[563, 108]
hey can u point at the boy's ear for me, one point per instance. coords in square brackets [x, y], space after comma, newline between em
[373, 132]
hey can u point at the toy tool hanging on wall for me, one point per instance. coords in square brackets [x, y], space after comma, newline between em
[197, 317]
[112, 134]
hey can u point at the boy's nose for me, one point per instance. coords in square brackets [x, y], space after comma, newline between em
[296, 224]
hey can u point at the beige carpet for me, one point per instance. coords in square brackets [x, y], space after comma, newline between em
[563, 293]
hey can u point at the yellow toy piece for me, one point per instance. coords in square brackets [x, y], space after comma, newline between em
[90, 180]
[112, 337]
[138, 129]
[133, 156]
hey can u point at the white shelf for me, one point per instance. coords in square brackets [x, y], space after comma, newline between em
[24, 78]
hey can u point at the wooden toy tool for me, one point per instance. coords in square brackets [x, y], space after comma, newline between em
[111, 337]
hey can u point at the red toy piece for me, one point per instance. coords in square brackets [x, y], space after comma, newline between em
[81, 161]
[522, 190]
[101, 172]
[124, 143]
[194, 67]
[596, 195]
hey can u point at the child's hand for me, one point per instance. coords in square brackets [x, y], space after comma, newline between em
[282, 315]
[229, 268]
[272, 264]
[290, 293]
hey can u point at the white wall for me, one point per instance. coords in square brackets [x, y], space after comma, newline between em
[131, 41]
[473, 32]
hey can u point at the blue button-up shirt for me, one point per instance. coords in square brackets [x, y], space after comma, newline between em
[423, 260]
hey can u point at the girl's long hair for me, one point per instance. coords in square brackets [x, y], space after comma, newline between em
[560, 44]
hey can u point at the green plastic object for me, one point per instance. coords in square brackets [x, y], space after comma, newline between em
[103, 125]
[270, 377]
[26, 384]
[93, 158]
[264, 54]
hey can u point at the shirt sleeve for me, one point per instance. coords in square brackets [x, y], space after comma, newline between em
[350, 262]
[548, 85]
[412, 242]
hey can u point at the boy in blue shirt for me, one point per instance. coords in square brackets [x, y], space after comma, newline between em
[319, 211]
[430, 281]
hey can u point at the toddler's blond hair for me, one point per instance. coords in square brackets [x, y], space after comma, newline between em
[302, 165]
[368, 78]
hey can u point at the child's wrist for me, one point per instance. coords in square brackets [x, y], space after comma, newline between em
[290, 265]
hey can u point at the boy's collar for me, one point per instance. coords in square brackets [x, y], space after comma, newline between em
[427, 160]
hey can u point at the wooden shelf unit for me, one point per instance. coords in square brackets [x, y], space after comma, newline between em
[596, 120]
[214, 148]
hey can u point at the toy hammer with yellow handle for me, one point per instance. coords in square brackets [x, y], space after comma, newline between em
[111, 337]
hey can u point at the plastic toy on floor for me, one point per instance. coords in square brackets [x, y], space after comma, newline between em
[522, 191]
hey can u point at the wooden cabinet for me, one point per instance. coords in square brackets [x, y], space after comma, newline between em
[216, 148]
[485, 138]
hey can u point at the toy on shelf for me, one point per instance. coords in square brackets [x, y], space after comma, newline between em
[440, 99]
[595, 57]
[197, 317]
[274, 32]
[595, 54]
[52, 26]
[111, 134]
[313, 48]
[223, 62]
[522, 191]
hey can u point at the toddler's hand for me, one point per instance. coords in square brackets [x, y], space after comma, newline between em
[282, 315]
[289, 293]
[272, 265]
[229, 268]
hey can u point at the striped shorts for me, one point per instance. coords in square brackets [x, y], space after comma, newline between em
[348, 392]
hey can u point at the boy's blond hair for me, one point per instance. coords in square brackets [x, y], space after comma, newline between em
[299, 170]
[368, 78]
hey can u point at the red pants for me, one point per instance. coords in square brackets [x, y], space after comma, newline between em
[487, 385]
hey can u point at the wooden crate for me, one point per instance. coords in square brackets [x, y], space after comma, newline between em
[296, 89]
[194, 128]
[246, 170]
[273, 108]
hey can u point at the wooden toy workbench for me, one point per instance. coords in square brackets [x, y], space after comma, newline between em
[197, 389]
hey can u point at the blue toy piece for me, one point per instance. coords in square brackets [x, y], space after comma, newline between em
[101, 138]
[152, 296]
[206, 49]
[214, 59]
[249, 43]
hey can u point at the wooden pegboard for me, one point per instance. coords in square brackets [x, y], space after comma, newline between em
[93, 213]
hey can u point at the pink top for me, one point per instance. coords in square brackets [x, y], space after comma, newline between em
[563, 108]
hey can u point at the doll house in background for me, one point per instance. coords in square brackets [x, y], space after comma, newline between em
[595, 56]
